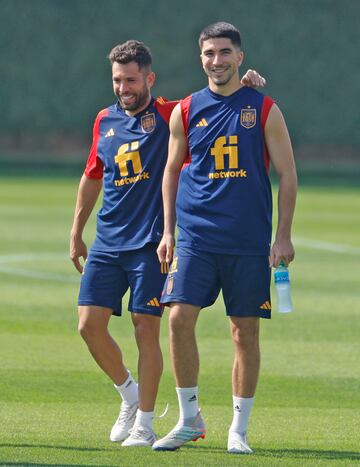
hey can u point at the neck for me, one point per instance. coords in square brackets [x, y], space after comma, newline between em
[132, 113]
[226, 89]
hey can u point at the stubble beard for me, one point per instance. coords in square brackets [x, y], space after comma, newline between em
[139, 102]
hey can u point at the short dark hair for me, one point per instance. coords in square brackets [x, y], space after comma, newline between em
[220, 29]
[131, 51]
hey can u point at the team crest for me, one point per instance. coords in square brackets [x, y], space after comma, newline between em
[248, 118]
[169, 285]
[148, 123]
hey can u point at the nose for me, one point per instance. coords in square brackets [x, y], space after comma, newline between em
[123, 87]
[217, 59]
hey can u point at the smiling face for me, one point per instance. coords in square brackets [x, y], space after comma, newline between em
[221, 60]
[132, 86]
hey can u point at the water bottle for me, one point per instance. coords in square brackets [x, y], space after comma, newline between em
[282, 287]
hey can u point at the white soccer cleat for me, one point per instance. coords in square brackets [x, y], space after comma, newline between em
[190, 429]
[124, 423]
[140, 436]
[237, 443]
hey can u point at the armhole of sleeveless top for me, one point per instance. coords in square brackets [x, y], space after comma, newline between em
[265, 109]
[185, 110]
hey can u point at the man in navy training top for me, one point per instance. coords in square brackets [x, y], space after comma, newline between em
[222, 139]
[126, 160]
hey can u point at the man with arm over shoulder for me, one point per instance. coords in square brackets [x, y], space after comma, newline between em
[126, 161]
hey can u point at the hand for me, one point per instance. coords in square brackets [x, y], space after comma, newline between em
[282, 250]
[78, 250]
[165, 250]
[253, 79]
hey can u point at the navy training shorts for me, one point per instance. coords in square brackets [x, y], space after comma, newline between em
[108, 275]
[196, 278]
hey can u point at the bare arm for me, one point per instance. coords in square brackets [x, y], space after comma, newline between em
[89, 189]
[176, 157]
[281, 155]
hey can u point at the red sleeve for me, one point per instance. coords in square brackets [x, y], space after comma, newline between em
[165, 108]
[94, 166]
[265, 109]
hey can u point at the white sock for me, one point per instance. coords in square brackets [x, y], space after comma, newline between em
[128, 390]
[242, 408]
[144, 419]
[188, 402]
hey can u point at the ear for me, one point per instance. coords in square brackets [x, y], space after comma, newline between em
[150, 79]
[240, 57]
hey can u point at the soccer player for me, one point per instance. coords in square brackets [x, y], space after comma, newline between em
[222, 139]
[126, 161]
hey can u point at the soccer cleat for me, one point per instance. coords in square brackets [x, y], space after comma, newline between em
[124, 423]
[237, 443]
[140, 436]
[190, 429]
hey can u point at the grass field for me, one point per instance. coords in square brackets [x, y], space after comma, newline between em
[56, 407]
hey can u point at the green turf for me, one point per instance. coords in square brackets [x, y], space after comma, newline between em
[56, 407]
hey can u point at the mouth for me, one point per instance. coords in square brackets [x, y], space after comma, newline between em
[219, 70]
[127, 99]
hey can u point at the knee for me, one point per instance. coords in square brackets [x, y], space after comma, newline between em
[83, 329]
[93, 322]
[147, 329]
[87, 329]
[177, 322]
[181, 324]
[245, 335]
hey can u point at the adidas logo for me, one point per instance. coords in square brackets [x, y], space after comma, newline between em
[128, 384]
[192, 399]
[237, 408]
[111, 132]
[153, 302]
[202, 122]
[266, 306]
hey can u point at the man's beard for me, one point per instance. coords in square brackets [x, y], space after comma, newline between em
[140, 101]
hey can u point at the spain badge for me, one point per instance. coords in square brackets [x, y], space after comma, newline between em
[248, 118]
[148, 123]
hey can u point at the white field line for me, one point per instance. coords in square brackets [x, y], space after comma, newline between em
[72, 278]
[36, 257]
[326, 246]
[43, 275]
[16, 258]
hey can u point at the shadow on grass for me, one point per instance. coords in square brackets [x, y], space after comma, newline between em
[46, 446]
[289, 453]
[309, 454]
[52, 446]
[270, 453]
[30, 464]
